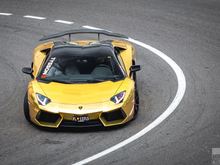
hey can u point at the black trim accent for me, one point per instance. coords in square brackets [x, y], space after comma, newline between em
[75, 124]
[117, 114]
[27, 70]
[46, 51]
[48, 117]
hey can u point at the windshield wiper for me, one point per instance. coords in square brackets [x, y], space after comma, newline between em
[73, 81]
[116, 78]
[113, 78]
[59, 81]
[95, 80]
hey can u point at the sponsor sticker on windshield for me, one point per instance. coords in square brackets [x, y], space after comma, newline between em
[47, 68]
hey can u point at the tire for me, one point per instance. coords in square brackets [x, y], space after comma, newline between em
[136, 104]
[26, 108]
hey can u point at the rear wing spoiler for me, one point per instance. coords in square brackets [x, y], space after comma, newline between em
[84, 31]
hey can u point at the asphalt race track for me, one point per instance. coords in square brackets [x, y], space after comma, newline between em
[188, 31]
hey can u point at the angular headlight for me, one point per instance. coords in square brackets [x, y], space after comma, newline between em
[118, 98]
[42, 100]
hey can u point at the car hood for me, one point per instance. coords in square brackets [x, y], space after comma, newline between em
[80, 93]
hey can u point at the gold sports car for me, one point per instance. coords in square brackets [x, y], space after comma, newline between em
[82, 83]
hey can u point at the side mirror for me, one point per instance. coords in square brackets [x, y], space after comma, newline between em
[135, 68]
[27, 70]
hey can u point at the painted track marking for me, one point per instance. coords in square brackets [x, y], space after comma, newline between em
[6, 14]
[64, 22]
[91, 27]
[34, 17]
[171, 108]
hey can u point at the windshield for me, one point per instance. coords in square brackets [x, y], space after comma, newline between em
[71, 64]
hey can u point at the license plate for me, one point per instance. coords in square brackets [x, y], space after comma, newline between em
[80, 118]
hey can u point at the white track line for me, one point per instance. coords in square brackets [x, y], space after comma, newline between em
[94, 28]
[6, 14]
[64, 22]
[34, 17]
[91, 27]
[171, 108]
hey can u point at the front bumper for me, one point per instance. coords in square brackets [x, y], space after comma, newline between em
[101, 114]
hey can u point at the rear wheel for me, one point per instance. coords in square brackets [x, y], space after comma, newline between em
[26, 108]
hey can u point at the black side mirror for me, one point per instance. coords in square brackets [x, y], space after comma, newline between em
[135, 68]
[27, 70]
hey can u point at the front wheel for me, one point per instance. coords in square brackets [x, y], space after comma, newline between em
[136, 104]
[26, 108]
